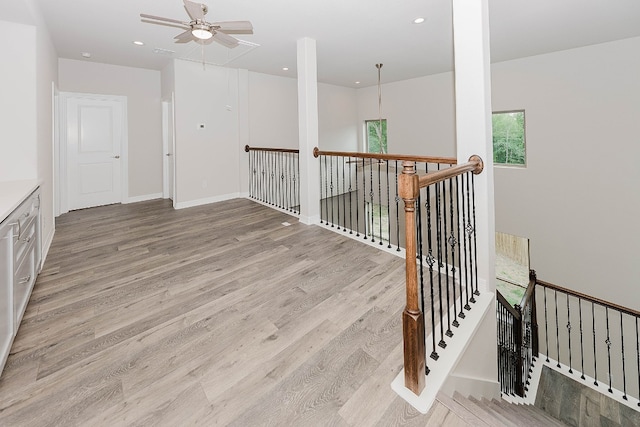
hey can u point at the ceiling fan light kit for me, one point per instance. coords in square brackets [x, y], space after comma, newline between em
[201, 31]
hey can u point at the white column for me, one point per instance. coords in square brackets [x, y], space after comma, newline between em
[473, 129]
[308, 131]
[473, 120]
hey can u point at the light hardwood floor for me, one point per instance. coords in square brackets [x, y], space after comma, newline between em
[215, 315]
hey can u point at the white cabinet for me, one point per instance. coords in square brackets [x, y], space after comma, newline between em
[20, 259]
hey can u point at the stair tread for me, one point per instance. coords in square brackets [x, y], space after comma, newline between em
[519, 414]
[463, 412]
[481, 412]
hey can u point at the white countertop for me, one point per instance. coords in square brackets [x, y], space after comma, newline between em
[12, 193]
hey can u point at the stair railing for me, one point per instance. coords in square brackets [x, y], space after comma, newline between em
[517, 340]
[598, 339]
[359, 193]
[440, 261]
[586, 336]
[274, 177]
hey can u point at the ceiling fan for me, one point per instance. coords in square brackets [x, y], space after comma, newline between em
[201, 31]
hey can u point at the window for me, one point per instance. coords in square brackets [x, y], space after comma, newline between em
[376, 136]
[508, 138]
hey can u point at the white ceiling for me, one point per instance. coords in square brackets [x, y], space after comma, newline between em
[352, 35]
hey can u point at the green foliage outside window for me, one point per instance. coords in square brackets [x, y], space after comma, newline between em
[376, 136]
[508, 138]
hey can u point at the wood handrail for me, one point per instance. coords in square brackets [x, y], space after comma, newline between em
[277, 150]
[401, 157]
[475, 165]
[531, 287]
[586, 297]
[503, 301]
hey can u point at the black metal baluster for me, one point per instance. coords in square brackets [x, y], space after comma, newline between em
[555, 296]
[263, 172]
[469, 236]
[380, 202]
[569, 333]
[465, 189]
[397, 212]
[581, 340]
[608, 343]
[546, 323]
[461, 314]
[430, 261]
[344, 201]
[475, 247]
[331, 188]
[595, 360]
[371, 193]
[624, 374]
[452, 242]
[297, 183]
[281, 183]
[364, 201]
[338, 195]
[350, 206]
[449, 333]
[357, 201]
[323, 160]
[420, 253]
[638, 354]
[388, 209]
[442, 343]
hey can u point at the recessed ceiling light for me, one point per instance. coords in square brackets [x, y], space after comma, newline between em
[86, 55]
[138, 43]
[357, 83]
[285, 68]
[418, 20]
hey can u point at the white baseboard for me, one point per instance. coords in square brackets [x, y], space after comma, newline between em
[143, 198]
[206, 201]
[449, 357]
[46, 245]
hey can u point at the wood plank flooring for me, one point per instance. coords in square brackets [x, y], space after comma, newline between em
[215, 315]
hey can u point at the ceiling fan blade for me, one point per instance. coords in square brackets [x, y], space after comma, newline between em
[225, 40]
[234, 27]
[186, 35]
[159, 18]
[165, 24]
[195, 10]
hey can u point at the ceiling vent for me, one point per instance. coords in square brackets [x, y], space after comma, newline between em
[161, 51]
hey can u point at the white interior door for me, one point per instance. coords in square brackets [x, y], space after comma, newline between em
[96, 128]
[168, 144]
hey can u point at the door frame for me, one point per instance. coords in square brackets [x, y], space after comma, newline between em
[60, 172]
[168, 122]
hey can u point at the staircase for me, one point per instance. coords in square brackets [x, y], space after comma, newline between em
[468, 411]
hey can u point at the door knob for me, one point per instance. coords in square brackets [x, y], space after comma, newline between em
[116, 157]
[168, 154]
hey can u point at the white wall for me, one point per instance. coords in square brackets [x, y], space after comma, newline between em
[273, 111]
[338, 126]
[167, 82]
[26, 106]
[206, 159]
[18, 102]
[577, 199]
[420, 115]
[143, 91]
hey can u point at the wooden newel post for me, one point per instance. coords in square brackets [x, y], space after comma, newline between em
[412, 317]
